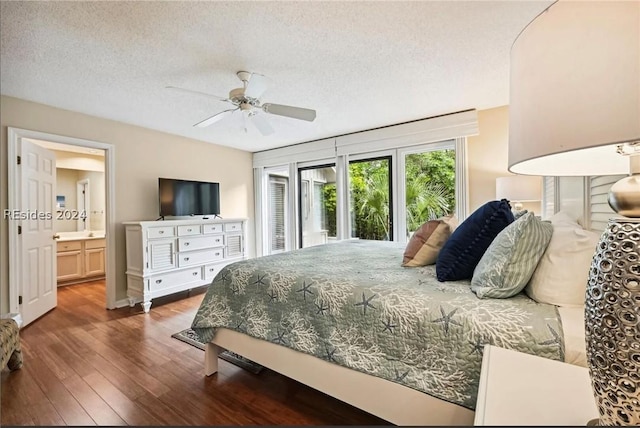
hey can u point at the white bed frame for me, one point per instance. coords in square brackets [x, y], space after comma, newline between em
[388, 400]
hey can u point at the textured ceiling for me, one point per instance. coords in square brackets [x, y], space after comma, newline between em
[361, 65]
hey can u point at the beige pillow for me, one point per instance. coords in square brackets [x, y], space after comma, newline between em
[562, 273]
[425, 244]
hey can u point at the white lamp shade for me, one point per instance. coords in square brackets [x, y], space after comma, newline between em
[575, 89]
[519, 188]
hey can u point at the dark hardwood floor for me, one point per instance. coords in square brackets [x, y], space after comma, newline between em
[85, 365]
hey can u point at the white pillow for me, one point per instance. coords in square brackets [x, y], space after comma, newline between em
[562, 273]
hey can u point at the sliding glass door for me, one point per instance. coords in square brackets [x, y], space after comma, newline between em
[371, 198]
[317, 205]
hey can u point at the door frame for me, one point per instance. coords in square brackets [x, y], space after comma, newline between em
[82, 191]
[14, 203]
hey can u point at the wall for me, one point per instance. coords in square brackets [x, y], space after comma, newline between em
[487, 156]
[141, 156]
[66, 185]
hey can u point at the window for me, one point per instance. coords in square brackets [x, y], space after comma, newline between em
[413, 171]
[371, 199]
[429, 184]
[277, 213]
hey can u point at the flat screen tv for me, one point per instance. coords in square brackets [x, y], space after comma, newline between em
[186, 197]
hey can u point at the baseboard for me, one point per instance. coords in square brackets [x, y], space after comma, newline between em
[125, 302]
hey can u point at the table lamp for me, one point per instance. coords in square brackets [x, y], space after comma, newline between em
[575, 110]
[519, 189]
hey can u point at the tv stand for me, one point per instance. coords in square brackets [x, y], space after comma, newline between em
[178, 255]
[215, 216]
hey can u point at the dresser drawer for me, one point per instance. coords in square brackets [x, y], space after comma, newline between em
[189, 230]
[211, 270]
[161, 232]
[212, 228]
[198, 243]
[94, 243]
[191, 258]
[173, 279]
[69, 246]
[233, 227]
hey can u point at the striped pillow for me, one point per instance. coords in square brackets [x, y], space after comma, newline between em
[509, 262]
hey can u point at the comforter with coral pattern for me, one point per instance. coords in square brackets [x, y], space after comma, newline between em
[351, 303]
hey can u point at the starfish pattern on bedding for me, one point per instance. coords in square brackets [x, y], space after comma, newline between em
[305, 290]
[400, 377]
[239, 325]
[330, 354]
[388, 326]
[280, 337]
[272, 296]
[260, 280]
[477, 346]
[366, 302]
[557, 340]
[447, 319]
[321, 308]
[223, 276]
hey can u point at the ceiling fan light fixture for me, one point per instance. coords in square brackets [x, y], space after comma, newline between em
[247, 100]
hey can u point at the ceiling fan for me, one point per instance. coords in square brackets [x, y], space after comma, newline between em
[247, 101]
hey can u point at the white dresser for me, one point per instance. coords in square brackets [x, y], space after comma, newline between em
[164, 257]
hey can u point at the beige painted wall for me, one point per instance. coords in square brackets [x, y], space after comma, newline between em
[487, 157]
[141, 156]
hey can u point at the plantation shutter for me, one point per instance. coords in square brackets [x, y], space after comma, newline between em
[277, 194]
[548, 196]
[599, 210]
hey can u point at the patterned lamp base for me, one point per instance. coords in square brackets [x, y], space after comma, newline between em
[612, 323]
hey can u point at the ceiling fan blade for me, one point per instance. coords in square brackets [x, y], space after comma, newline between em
[189, 91]
[215, 118]
[257, 85]
[289, 111]
[262, 124]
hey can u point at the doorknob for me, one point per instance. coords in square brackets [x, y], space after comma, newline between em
[56, 236]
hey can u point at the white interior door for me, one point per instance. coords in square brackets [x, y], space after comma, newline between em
[37, 176]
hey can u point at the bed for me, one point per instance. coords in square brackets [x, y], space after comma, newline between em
[348, 320]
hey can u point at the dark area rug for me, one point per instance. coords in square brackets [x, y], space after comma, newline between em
[190, 337]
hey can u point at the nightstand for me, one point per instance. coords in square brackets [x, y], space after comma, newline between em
[522, 389]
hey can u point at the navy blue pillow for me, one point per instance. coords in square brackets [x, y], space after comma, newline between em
[466, 245]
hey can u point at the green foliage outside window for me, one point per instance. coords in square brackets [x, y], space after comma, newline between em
[430, 193]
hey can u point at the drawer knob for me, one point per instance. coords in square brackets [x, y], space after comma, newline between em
[211, 269]
[158, 281]
[160, 232]
[186, 244]
[233, 227]
[217, 254]
[195, 273]
[189, 230]
[186, 259]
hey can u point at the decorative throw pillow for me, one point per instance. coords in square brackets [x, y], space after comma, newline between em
[507, 265]
[563, 271]
[426, 242]
[464, 249]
